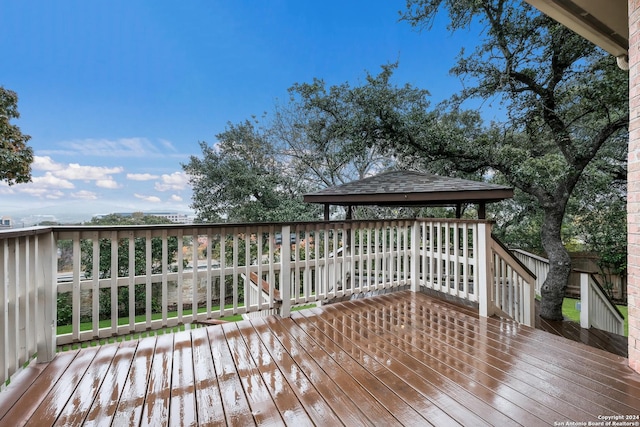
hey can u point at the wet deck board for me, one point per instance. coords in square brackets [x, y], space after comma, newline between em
[395, 359]
[593, 337]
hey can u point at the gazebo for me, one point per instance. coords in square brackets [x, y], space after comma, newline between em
[410, 188]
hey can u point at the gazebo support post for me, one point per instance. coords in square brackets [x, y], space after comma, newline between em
[482, 211]
[327, 207]
[458, 210]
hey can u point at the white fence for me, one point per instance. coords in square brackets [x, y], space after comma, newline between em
[596, 309]
[538, 265]
[117, 280]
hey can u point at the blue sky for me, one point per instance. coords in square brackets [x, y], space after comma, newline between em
[117, 94]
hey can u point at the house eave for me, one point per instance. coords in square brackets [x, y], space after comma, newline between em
[605, 23]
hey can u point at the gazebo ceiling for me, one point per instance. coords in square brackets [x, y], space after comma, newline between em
[407, 188]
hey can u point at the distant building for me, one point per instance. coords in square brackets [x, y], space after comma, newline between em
[174, 217]
[6, 222]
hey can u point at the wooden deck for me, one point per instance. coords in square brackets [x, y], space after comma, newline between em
[395, 359]
[613, 343]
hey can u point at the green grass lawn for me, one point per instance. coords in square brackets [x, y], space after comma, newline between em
[87, 326]
[569, 311]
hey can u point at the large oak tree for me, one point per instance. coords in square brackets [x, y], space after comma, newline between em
[567, 109]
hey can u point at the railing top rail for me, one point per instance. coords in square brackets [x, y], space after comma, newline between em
[457, 220]
[509, 251]
[27, 231]
[601, 291]
[332, 223]
[531, 255]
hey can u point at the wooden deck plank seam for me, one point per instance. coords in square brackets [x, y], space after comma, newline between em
[467, 369]
[432, 387]
[407, 359]
[322, 380]
[393, 405]
[457, 344]
[562, 370]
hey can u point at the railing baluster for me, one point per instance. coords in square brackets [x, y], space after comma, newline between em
[12, 308]
[95, 284]
[75, 290]
[180, 295]
[223, 268]
[195, 271]
[114, 283]
[131, 240]
[285, 272]
[148, 294]
[235, 270]
[209, 292]
[165, 279]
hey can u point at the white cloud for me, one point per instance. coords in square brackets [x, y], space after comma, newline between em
[85, 195]
[46, 163]
[121, 147]
[42, 192]
[167, 145]
[6, 188]
[49, 180]
[174, 182]
[76, 171]
[152, 199]
[54, 195]
[141, 176]
[107, 183]
[175, 198]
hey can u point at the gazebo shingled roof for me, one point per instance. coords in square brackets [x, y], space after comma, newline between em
[408, 188]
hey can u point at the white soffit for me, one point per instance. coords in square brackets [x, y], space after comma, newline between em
[603, 22]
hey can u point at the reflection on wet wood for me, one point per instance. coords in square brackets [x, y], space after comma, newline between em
[395, 359]
[613, 343]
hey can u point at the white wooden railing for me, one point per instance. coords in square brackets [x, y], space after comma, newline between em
[537, 264]
[461, 258]
[596, 309]
[27, 299]
[118, 280]
[322, 261]
[514, 284]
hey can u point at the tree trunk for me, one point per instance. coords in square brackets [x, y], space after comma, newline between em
[554, 287]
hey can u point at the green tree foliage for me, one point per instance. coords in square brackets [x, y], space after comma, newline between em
[602, 224]
[567, 109]
[242, 179]
[334, 135]
[123, 260]
[326, 133]
[15, 156]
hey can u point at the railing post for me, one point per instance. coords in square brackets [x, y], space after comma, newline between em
[415, 257]
[585, 294]
[484, 266]
[285, 272]
[46, 314]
